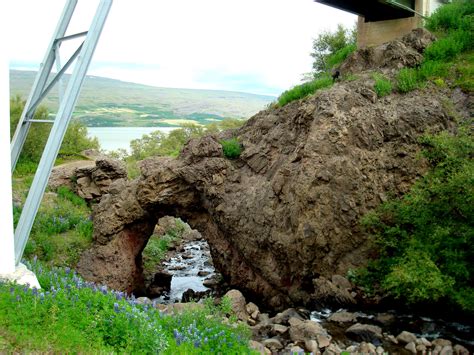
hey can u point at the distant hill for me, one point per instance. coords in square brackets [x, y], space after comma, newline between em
[107, 102]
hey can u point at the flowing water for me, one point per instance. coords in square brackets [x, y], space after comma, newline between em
[193, 265]
[189, 269]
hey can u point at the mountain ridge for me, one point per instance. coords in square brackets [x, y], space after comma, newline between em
[108, 102]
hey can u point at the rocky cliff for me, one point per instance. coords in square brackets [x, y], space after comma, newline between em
[283, 218]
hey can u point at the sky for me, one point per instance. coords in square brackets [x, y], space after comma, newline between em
[257, 46]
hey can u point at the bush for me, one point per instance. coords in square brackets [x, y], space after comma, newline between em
[453, 16]
[444, 49]
[331, 48]
[425, 239]
[338, 57]
[231, 148]
[75, 139]
[407, 80]
[431, 69]
[383, 86]
[305, 89]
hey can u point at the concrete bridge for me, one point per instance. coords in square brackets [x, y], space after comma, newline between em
[384, 20]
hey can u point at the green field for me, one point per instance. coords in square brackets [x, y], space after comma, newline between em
[107, 102]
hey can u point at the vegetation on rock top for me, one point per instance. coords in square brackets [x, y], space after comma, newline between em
[426, 238]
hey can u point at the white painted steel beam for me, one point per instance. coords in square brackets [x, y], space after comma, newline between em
[63, 116]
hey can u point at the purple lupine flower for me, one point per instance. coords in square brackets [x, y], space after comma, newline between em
[196, 344]
[116, 307]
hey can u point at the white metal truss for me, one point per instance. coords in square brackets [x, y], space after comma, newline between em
[82, 56]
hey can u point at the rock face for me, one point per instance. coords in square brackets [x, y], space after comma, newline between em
[283, 218]
[394, 55]
[89, 179]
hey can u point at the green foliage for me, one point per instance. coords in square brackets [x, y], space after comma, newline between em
[75, 139]
[453, 16]
[330, 48]
[426, 238]
[431, 69]
[62, 229]
[303, 90]
[161, 144]
[70, 315]
[158, 245]
[383, 85]
[231, 148]
[407, 80]
[445, 49]
[336, 58]
[416, 278]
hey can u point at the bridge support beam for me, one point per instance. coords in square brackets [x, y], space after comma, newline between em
[375, 33]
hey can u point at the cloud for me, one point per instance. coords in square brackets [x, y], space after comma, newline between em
[259, 46]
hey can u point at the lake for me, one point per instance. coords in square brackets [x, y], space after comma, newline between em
[113, 138]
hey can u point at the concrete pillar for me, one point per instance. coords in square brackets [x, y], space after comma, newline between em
[378, 32]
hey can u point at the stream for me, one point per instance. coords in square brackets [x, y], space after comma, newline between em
[192, 268]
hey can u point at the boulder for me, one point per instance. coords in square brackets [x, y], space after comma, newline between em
[93, 182]
[406, 337]
[304, 330]
[238, 304]
[365, 332]
[342, 317]
[404, 52]
[161, 283]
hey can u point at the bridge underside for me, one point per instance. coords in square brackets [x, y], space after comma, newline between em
[374, 10]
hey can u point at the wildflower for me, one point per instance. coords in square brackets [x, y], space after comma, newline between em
[116, 307]
[12, 290]
[196, 344]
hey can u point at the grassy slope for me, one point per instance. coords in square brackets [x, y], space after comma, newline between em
[109, 102]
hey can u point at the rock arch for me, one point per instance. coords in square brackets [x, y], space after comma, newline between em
[283, 218]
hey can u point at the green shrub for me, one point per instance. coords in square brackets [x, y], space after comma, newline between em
[444, 49]
[383, 85]
[303, 90]
[231, 148]
[65, 193]
[425, 239]
[407, 80]
[431, 69]
[338, 57]
[75, 139]
[416, 278]
[453, 16]
[157, 246]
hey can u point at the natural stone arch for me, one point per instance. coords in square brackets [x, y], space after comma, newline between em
[282, 219]
[125, 218]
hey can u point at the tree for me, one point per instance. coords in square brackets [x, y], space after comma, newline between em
[75, 139]
[328, 44]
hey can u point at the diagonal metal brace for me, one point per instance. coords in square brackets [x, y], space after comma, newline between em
[63, 116]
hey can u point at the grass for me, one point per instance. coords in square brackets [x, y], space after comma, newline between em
[231, 148]
[408, 80]
[62, 228]
[303, 90]
[382, 86]
[71, 315]
[450, 57]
